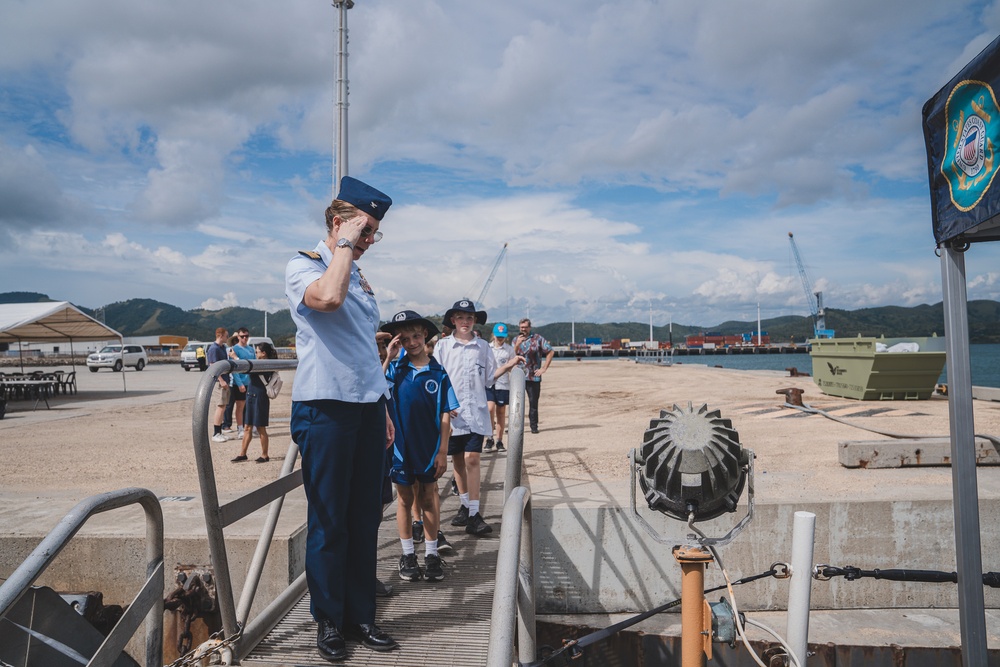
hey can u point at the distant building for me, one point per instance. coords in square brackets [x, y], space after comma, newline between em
[155, 345]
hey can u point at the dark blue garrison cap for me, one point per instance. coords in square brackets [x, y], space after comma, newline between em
[364, 197]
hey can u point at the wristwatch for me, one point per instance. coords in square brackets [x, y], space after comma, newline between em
[345, 243]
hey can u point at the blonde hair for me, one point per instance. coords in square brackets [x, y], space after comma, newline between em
[341, 209]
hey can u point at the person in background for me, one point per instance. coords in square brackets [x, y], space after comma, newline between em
[498, 395]
[339, 419]
[258, 406]
[532, 347]
[228, 428]
[241, 381]
[199, 354]
[217, 352]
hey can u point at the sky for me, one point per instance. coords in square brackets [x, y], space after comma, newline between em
[642, 160]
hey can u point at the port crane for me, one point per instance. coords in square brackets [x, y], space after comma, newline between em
[493, 273]
[813, 299]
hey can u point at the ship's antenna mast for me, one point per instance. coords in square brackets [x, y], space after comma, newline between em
[340, 117]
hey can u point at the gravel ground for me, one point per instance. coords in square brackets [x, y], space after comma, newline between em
[592, 414]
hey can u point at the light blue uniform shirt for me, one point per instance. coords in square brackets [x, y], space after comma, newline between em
[338, 357]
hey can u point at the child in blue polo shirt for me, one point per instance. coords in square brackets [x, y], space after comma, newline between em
[422, 401]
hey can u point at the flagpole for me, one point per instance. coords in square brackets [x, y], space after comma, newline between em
[340, 117]
[965, 488]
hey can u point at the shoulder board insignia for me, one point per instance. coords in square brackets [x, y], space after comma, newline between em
[310, 254]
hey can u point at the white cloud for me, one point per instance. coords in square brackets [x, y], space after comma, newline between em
[631, 153]
[228, 300]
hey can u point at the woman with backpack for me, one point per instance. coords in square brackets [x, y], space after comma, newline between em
[258, 406]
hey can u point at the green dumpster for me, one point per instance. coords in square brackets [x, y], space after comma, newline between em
[855, 368]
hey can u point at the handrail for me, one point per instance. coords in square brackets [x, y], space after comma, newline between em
[148, 601]
[514, 590]
[218, 516]
[515, 433]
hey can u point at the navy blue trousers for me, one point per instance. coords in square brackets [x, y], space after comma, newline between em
[343, 454]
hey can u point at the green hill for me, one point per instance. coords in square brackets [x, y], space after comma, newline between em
[147, 317]
[888, 321]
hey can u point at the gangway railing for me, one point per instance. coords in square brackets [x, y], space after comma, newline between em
[241, 633]
[663, 357]
[513, 615]
[148, 602]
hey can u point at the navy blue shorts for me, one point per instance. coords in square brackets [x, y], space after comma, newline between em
[470, 442]
[409, 478]
[498, 396]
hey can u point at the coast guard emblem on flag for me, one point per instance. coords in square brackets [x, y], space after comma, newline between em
[972, 131]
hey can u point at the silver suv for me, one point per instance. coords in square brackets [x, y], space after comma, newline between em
[112, 356]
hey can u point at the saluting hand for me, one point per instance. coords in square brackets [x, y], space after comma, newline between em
[392, 350]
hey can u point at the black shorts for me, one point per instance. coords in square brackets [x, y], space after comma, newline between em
[498, 396]
[470, 442]
[409, 478]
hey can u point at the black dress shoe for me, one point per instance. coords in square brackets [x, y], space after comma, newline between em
[330, 642]
[371, 636]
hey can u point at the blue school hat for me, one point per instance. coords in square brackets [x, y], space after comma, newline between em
[464, 306]
[500, 330]
[364, 197]
[409, 317]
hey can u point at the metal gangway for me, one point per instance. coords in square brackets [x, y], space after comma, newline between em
[480, 614]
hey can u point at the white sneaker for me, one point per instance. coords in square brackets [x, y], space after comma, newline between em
[219, 437]
[231, 429]
[239, 433]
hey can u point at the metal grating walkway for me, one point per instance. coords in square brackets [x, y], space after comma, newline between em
[441, 623]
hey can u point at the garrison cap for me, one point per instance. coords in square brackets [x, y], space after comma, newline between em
[364, 197]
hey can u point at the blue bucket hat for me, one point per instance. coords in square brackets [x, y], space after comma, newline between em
[408, 317]
[364, 197]
[500, 330]
[464, 306]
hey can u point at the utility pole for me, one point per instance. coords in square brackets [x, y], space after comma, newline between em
[650, 321]
[340, 117]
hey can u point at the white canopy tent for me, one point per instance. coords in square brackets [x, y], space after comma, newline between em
[49, 322]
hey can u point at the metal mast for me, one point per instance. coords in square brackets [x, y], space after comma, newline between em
[813, 299]
[493, 272]
[340, 117]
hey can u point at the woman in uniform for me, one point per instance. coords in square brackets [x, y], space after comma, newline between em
[339, 418]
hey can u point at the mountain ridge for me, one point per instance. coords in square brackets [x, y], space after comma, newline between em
[148, 317]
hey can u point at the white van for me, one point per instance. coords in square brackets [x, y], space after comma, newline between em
[189, 355]
[253, 340]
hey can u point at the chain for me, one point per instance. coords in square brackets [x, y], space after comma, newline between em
[195, 656]
[825, 572]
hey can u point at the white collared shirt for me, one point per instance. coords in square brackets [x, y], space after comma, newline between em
[471, 368]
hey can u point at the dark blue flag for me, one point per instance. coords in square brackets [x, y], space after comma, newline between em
[962, 133]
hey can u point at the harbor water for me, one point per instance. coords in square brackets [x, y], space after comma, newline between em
[984, 361]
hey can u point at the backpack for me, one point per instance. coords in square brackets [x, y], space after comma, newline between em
[273, 386]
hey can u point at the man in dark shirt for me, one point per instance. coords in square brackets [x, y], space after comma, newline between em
[217, 352]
